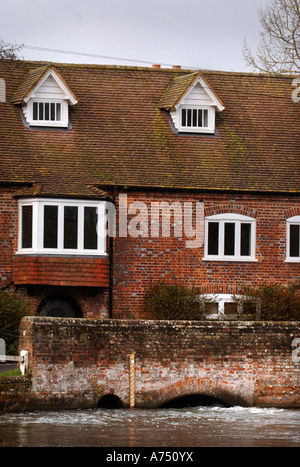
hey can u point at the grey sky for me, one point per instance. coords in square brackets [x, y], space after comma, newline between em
[196, 33]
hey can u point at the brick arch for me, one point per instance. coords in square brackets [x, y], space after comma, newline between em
[57, 303]
[229, 395]
[294, 211]
[229, 208]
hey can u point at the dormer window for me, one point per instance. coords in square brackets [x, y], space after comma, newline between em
[45, 102]
[198, 119]
[47, 113]
[192, 104]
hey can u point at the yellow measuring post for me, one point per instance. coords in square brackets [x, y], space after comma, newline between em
[131, 380]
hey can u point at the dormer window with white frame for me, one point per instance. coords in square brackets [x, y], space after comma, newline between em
[196, 119]
[46, 103]
[192, 104]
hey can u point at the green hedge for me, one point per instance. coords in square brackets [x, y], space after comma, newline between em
[275, 302]
[174, 302]
[12, 311]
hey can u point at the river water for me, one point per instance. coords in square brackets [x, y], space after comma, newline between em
[187, 427]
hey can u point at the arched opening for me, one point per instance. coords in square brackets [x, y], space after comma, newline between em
[60, 306]
[193, 400]
[110, 401]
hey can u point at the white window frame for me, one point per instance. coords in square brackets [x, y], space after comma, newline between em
[64, 120]
[221, 299]
[295, 220]
[210, 128]
[38, 227]
[236, 219]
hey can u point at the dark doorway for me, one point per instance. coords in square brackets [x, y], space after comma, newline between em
[60, 306]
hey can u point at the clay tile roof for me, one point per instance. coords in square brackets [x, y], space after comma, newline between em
[180, 86]
[31, 80]
[176, 90]
[121, 133]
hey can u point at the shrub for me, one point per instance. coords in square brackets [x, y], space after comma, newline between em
[174, 302]
[12, 311]
[275, 302]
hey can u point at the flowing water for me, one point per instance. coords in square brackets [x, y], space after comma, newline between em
[187, 427]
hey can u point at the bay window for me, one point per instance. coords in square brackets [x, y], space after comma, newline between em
[62, 226]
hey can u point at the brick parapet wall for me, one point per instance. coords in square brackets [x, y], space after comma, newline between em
[76, 362]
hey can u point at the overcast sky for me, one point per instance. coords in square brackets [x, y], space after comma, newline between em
[195, 33]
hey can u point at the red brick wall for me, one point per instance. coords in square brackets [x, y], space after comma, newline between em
[139, 261]
[248, 363]
[8, 233]
[85, 279]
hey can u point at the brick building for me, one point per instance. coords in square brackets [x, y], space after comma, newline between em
[114, 178]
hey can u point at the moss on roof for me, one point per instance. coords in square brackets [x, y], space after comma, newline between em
[121, 133]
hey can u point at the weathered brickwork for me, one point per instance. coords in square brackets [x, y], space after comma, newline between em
[142, 260]
[8, 233]
[34, 278]
[74, 363]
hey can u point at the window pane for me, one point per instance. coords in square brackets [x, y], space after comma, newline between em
[183, 117]
[35, 111]
[205, 122]
[245, 239]
[46, 111]
[26, 226]
[52, 111]
[58, 112]
[249, 308]
[50, 226]
[229, 231]
[90, 228]
[294, 240]
[41, 111]
[213, 238]
[230, 308]
[70, 227]
[189, 117]
[200, 118]
[195, 117]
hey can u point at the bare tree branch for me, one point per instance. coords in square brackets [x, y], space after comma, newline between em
[9, 51]
[279, 47]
